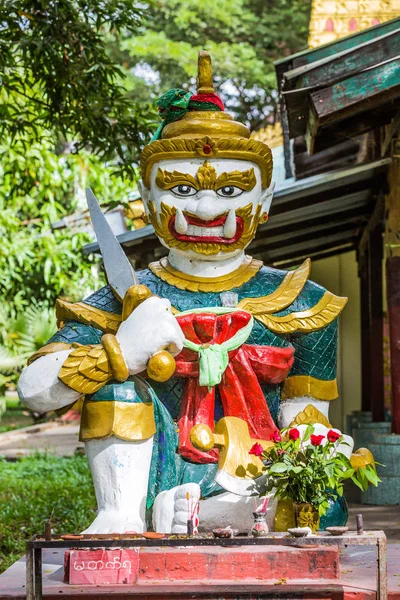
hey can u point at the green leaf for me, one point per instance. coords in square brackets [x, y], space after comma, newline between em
[371, 476]
[358, 483]
[279, 467]
[308, 432]
[348, 473]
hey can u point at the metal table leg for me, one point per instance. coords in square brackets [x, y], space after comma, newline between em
[37, 560]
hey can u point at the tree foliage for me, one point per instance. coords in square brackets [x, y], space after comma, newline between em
[57, 76]
[243, 36]
[39, 188]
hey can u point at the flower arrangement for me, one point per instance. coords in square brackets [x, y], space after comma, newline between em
[307, 468]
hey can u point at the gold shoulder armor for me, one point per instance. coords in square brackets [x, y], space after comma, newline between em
[89, 315]
[283, 296]
[49, 349]
[312, 319]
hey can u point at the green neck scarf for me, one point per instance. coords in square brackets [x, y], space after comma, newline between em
[214, 359]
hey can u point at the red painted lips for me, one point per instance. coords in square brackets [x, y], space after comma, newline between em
[218, 222]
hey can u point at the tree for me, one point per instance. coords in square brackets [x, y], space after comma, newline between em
[243, 36]
[37, 189]
[37, 263]
[57, 76]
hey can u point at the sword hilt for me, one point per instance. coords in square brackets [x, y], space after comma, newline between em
[161, 365]
[134, 296]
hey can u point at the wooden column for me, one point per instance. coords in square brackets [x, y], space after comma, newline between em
[365, 335]
[376, 324]
[392, 239]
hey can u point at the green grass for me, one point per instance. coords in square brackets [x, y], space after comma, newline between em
[29, 491]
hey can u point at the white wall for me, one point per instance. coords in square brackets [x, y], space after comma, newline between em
[338, 274]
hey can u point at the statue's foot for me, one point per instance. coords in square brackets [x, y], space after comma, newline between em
[230, 509]
[113, 521]
[172, 509]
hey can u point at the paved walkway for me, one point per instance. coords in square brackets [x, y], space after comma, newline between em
[56, 437]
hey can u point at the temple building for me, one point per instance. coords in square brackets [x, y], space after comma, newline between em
[340, 119]
[334, 19]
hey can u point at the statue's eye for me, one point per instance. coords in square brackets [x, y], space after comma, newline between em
[184, 190]
[229, 191]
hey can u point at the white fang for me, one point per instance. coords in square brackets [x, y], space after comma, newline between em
[230, 224]
[181, 224]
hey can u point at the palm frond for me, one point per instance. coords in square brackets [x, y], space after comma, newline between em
[10, 362]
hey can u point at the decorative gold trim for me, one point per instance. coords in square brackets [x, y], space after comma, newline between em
[86, 369]
[161, 366]
[206, 147]
[197, 123]
[245, 180]
[282, 297]
[49, 349]
[130, 421]
[244, 273]
[115, 358]
[312, 319]
[310, 415]
[206, 179]
[169, 179]
[305, 385]
[89, 315]
[161, 223]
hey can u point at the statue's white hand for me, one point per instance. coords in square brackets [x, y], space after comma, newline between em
[149, 329]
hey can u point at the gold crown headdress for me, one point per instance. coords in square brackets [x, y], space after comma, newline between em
[198, 127]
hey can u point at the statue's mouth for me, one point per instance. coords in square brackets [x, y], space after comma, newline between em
[225, 229]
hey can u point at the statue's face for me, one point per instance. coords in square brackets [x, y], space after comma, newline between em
[206, 208]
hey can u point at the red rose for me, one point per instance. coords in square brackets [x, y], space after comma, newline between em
[256, 449]
[316, 439]
[294, 434]
[333, 436]
[276, 437]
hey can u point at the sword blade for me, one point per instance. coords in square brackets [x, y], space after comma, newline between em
[120, 273]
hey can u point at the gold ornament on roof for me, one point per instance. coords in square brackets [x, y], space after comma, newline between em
[334, 19]
[272, 135]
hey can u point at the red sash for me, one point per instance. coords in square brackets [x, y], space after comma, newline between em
[240, 389]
